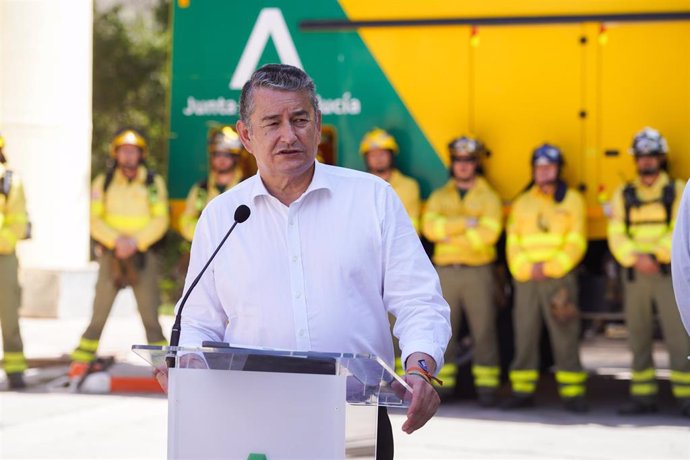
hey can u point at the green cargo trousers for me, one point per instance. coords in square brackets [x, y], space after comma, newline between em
[639, 295]
[10, 298]
[472, 289]
[532, 304]
[146, 292]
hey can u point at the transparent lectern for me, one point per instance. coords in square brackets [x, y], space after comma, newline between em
[229, 402]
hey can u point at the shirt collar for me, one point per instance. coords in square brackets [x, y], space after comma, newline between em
[320, 180]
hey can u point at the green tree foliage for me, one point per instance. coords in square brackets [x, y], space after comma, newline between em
[131, 48]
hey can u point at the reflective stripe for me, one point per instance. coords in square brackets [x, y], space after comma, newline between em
[447, 370]
[524, 375]
[542, 239]
[520, 260]
[16, 218]
[160, 343]
[541, 255]
[524, 387]
[14, 361]
[577, 239]
[439, 227]
[97, 208]
[648, 232]
[491, 224]
[681, 391]
[565, 262]
[623, 250]
[643, 389]
[680, 377]
[82, 356]
[9, 236]
[647, 374]
[487, 382]
[127, 222]
[475, 239]
[481, 371]
[616, 228]
[159, 209]
[571, 391]
[88, 344]
[513, 239]
[565, 377]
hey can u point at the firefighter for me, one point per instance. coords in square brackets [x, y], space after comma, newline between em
[639, 235]
[379, 149]
[545, 242]
[224, 149]
[13, 227]
[463, 219]
[129, 214]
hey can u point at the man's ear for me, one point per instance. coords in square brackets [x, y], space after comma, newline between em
[244, 132]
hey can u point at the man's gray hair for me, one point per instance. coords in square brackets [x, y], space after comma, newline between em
[281, 77]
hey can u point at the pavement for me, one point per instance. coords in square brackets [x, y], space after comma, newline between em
[49, 422]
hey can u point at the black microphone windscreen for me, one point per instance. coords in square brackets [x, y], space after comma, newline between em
[242, 213]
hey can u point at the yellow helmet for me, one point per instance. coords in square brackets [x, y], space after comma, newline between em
[378, 139]
[129, 137]
[224, 138]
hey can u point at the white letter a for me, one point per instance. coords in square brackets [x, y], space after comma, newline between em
[270, 23]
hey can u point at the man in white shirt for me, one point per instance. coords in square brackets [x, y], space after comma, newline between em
[680, 258]
[325, 255]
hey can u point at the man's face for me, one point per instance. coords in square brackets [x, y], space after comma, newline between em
[648, 164]
[545, 174]
[128, 156]
[283, 132]
[378, 160]
[464, 166]
[223, 161]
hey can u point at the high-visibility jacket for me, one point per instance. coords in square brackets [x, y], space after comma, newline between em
[407, 190]
[445, 219]
[648, 232]
[541, 230]
[131, 208]
[13, 216]
[197, 199]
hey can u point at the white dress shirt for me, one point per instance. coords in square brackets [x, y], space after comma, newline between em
[680, 258]
[319, 275]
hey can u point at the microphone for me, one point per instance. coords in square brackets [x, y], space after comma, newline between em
[241, 214]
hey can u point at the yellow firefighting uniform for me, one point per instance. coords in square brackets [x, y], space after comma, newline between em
[138, 210]
[408, 192]
[649, 233]
[541, 230]
[13, 225]
[197, 199]
[463, 256]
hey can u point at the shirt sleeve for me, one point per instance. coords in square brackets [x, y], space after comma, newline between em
[158, 208]
[411, 288]
[203, 316]
[680, 259]
[574, 242]
[190, 215]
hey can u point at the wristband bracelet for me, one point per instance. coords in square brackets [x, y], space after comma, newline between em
[419, 374]
[424, 373]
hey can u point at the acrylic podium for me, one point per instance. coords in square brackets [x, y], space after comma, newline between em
[239, 403]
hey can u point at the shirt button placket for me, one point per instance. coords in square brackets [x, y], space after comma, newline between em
[299, 305]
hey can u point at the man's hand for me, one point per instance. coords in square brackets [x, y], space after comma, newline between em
[125, 247]
[190, 360]
[538, 271]
[425, 402]
[646, 264]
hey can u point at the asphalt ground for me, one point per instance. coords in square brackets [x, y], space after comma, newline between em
[48, 422]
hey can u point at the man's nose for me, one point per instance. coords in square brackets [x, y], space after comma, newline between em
[287, 133]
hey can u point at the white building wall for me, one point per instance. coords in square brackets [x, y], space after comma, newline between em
[45, 117]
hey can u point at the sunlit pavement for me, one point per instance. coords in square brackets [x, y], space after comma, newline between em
[45, 423]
